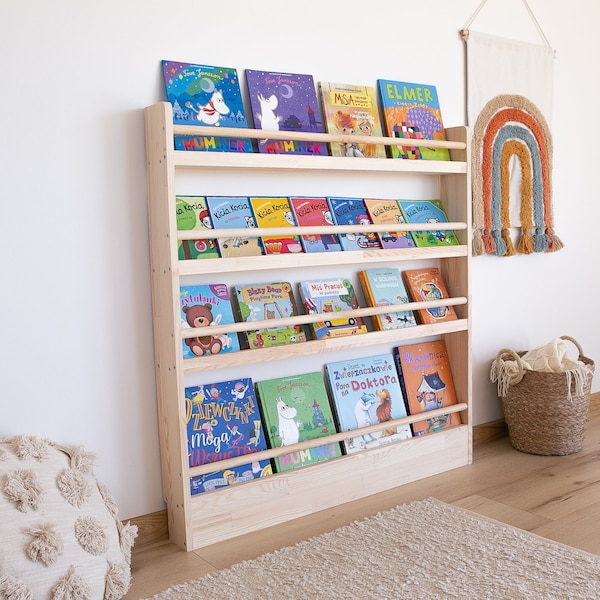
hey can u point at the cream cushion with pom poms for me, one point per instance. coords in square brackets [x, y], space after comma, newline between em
[59, 533]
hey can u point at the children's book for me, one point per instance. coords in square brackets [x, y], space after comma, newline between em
[352, 211]
[412, 110]
[192, 214]
[315, 212]
[427, 383]
[276, 212]
[428, 211]
[331, 296]
[427, 284]
[267, 301]
[285, 102]
[382, 287]
[366, 391]
[387, 211]
[202, 306]
[234, 212]
[296, 409]
[352, 110]
[209, 96]
[223, 421]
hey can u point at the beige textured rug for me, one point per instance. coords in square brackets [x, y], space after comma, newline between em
[425, 549]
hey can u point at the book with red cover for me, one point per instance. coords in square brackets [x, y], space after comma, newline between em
[314, 212]
[427, 284]
[427, 383]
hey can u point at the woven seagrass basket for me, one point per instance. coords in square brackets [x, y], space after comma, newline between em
[541, 416]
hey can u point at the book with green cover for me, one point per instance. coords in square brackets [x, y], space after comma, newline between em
[428, 211]
[295, 409]
[412, 110]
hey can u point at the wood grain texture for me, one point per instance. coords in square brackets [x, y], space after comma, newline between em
[557, 497]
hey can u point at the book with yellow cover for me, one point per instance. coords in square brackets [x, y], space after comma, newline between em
[350, 109]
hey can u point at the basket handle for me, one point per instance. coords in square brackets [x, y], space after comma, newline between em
[513, 356]
[568, 338]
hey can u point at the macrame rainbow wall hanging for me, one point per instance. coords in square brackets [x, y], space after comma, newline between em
[512, 126]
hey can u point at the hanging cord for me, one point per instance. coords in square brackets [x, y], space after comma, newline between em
[464, 32]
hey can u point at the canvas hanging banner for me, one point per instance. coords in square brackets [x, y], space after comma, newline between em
[509, 108]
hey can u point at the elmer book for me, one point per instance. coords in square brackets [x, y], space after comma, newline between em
[412, 110]
[202, 306]
[384, 286]
[427, 383]
[285, 102]
[234, 212]
[192, 214]
[331, 296]
[352, 211]
[267, 301]
[352, 110]
[366, 391]
[223, 421]
[209, 96]
[295, 409]
[315, 212]
[427, 284]
[276, 212]
[387, 211]
[428, 211]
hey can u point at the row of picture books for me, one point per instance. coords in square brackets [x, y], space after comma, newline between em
[238, 212]
[211, 96]
[205, 305]
[240, 417]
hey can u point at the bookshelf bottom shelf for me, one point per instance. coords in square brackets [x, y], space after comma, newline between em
[228, 513]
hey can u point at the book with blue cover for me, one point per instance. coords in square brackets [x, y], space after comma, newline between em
[234, 212]
[223, 421]
[209, 96]
[352, 211]
[204, 305]
[428, 211]
[366, 391]
[285, 102]
[294, 409]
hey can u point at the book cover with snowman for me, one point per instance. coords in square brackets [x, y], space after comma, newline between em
[295, 409]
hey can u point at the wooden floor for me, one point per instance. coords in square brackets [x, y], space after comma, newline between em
[556, 497]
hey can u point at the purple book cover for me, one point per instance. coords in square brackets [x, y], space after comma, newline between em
[285, 102]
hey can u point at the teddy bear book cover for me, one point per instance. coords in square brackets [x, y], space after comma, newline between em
[223, 421]
[205, 306]
[295, 409]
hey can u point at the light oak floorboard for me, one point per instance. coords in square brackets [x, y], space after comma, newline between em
[555, 497]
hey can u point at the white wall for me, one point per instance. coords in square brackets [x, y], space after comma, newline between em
[75, 316]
